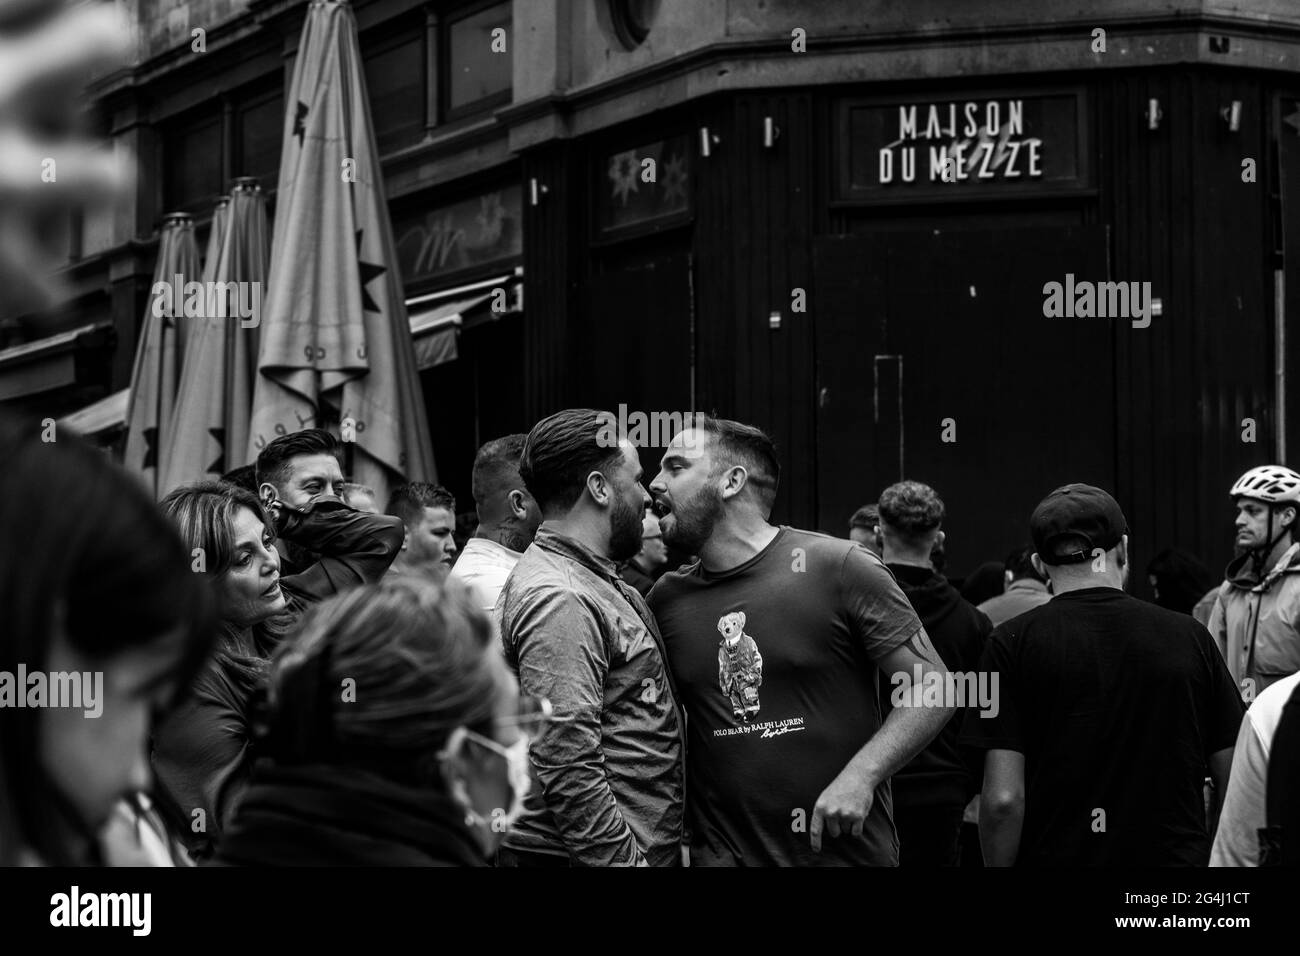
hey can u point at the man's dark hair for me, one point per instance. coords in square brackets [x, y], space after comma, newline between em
[273, 461]
[868, 516]
[409, 501]
[560, 452]
[496, 463]
[1020, 566]
[245, 476]
[735, 443]
[911, 509]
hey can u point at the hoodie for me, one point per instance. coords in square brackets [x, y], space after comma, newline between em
[938, 775]
[1254, 621]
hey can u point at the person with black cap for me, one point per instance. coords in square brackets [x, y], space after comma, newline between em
[1111, 710]
[1255, 617]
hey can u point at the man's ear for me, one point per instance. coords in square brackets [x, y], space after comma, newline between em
[406, 540]
[1121, 556]
[518, 506]
[598, 487]
[939, 539]
[734, 480]
[266, 492]
[1039, 566]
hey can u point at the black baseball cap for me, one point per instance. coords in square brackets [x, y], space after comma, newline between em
[1076, 511]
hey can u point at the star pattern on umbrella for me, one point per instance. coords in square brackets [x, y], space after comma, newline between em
[218, 467]
[299, 124]
[1294, 119]
[150, 448]
[369, 271]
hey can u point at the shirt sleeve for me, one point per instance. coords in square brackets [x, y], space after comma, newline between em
[1223, 707]
[997, 727]
[353, 547]
[562, 656]
[1236, 842]
[879, 612]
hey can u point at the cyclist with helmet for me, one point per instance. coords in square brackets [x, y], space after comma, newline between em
[1255, 617]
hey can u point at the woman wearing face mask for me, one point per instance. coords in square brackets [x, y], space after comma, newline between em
[203, 753]
[97, 598]
[396, 737]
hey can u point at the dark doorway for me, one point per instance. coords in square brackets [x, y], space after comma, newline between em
[932, 334]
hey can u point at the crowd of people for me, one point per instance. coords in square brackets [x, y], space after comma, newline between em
[293, 675]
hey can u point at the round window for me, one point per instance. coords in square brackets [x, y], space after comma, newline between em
[632, 20]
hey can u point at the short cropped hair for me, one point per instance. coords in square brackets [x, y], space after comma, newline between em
[1020, 565]
[735, 443]
[560, 452]
[409, 501]
[273, 461]
[496, 463]
[912, 509]
[868, 516]
[245, 476]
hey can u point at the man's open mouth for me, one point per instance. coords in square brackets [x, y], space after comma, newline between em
[660, 507]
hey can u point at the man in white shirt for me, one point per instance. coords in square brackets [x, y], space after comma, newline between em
[1244, 805]
[508, 517]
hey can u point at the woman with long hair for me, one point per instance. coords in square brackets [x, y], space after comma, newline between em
[203, 753]
[96, 601]
[395, 736]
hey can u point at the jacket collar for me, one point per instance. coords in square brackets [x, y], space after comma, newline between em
[1239, 572]
[566, 547]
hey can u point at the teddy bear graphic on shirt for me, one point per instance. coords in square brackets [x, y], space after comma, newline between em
[740, 665]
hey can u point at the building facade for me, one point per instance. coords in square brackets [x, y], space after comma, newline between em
[838, 220]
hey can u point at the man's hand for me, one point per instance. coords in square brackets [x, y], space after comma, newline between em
[842, 807]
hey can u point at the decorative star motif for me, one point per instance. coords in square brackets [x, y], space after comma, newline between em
[299, 126]
[150, 448]
[622, 172]
[369, 271]
[674, 180]
[1294, 119]
[218, 467]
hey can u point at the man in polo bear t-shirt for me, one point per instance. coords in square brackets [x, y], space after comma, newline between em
[776, 639]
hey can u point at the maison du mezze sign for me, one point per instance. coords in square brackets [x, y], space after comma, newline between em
[904, 149]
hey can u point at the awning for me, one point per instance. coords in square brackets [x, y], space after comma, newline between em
[100, 416]
[51, 362]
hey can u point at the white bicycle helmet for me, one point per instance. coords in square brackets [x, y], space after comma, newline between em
[1271, 483]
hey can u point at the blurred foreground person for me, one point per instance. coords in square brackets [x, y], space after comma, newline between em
[102, 625]
[1112, 710]
[49, 49]
[508, 517]
[202, 752]
[777, 639]
[610, 775]
[421, 759]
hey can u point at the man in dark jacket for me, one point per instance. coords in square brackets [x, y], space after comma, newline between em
[931, 791]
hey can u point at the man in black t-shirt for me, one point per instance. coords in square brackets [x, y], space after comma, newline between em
[931, 792]
[776, 639]
[1111, 710]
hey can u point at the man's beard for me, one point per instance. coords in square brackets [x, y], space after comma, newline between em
[625, 530]
[694, 520]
